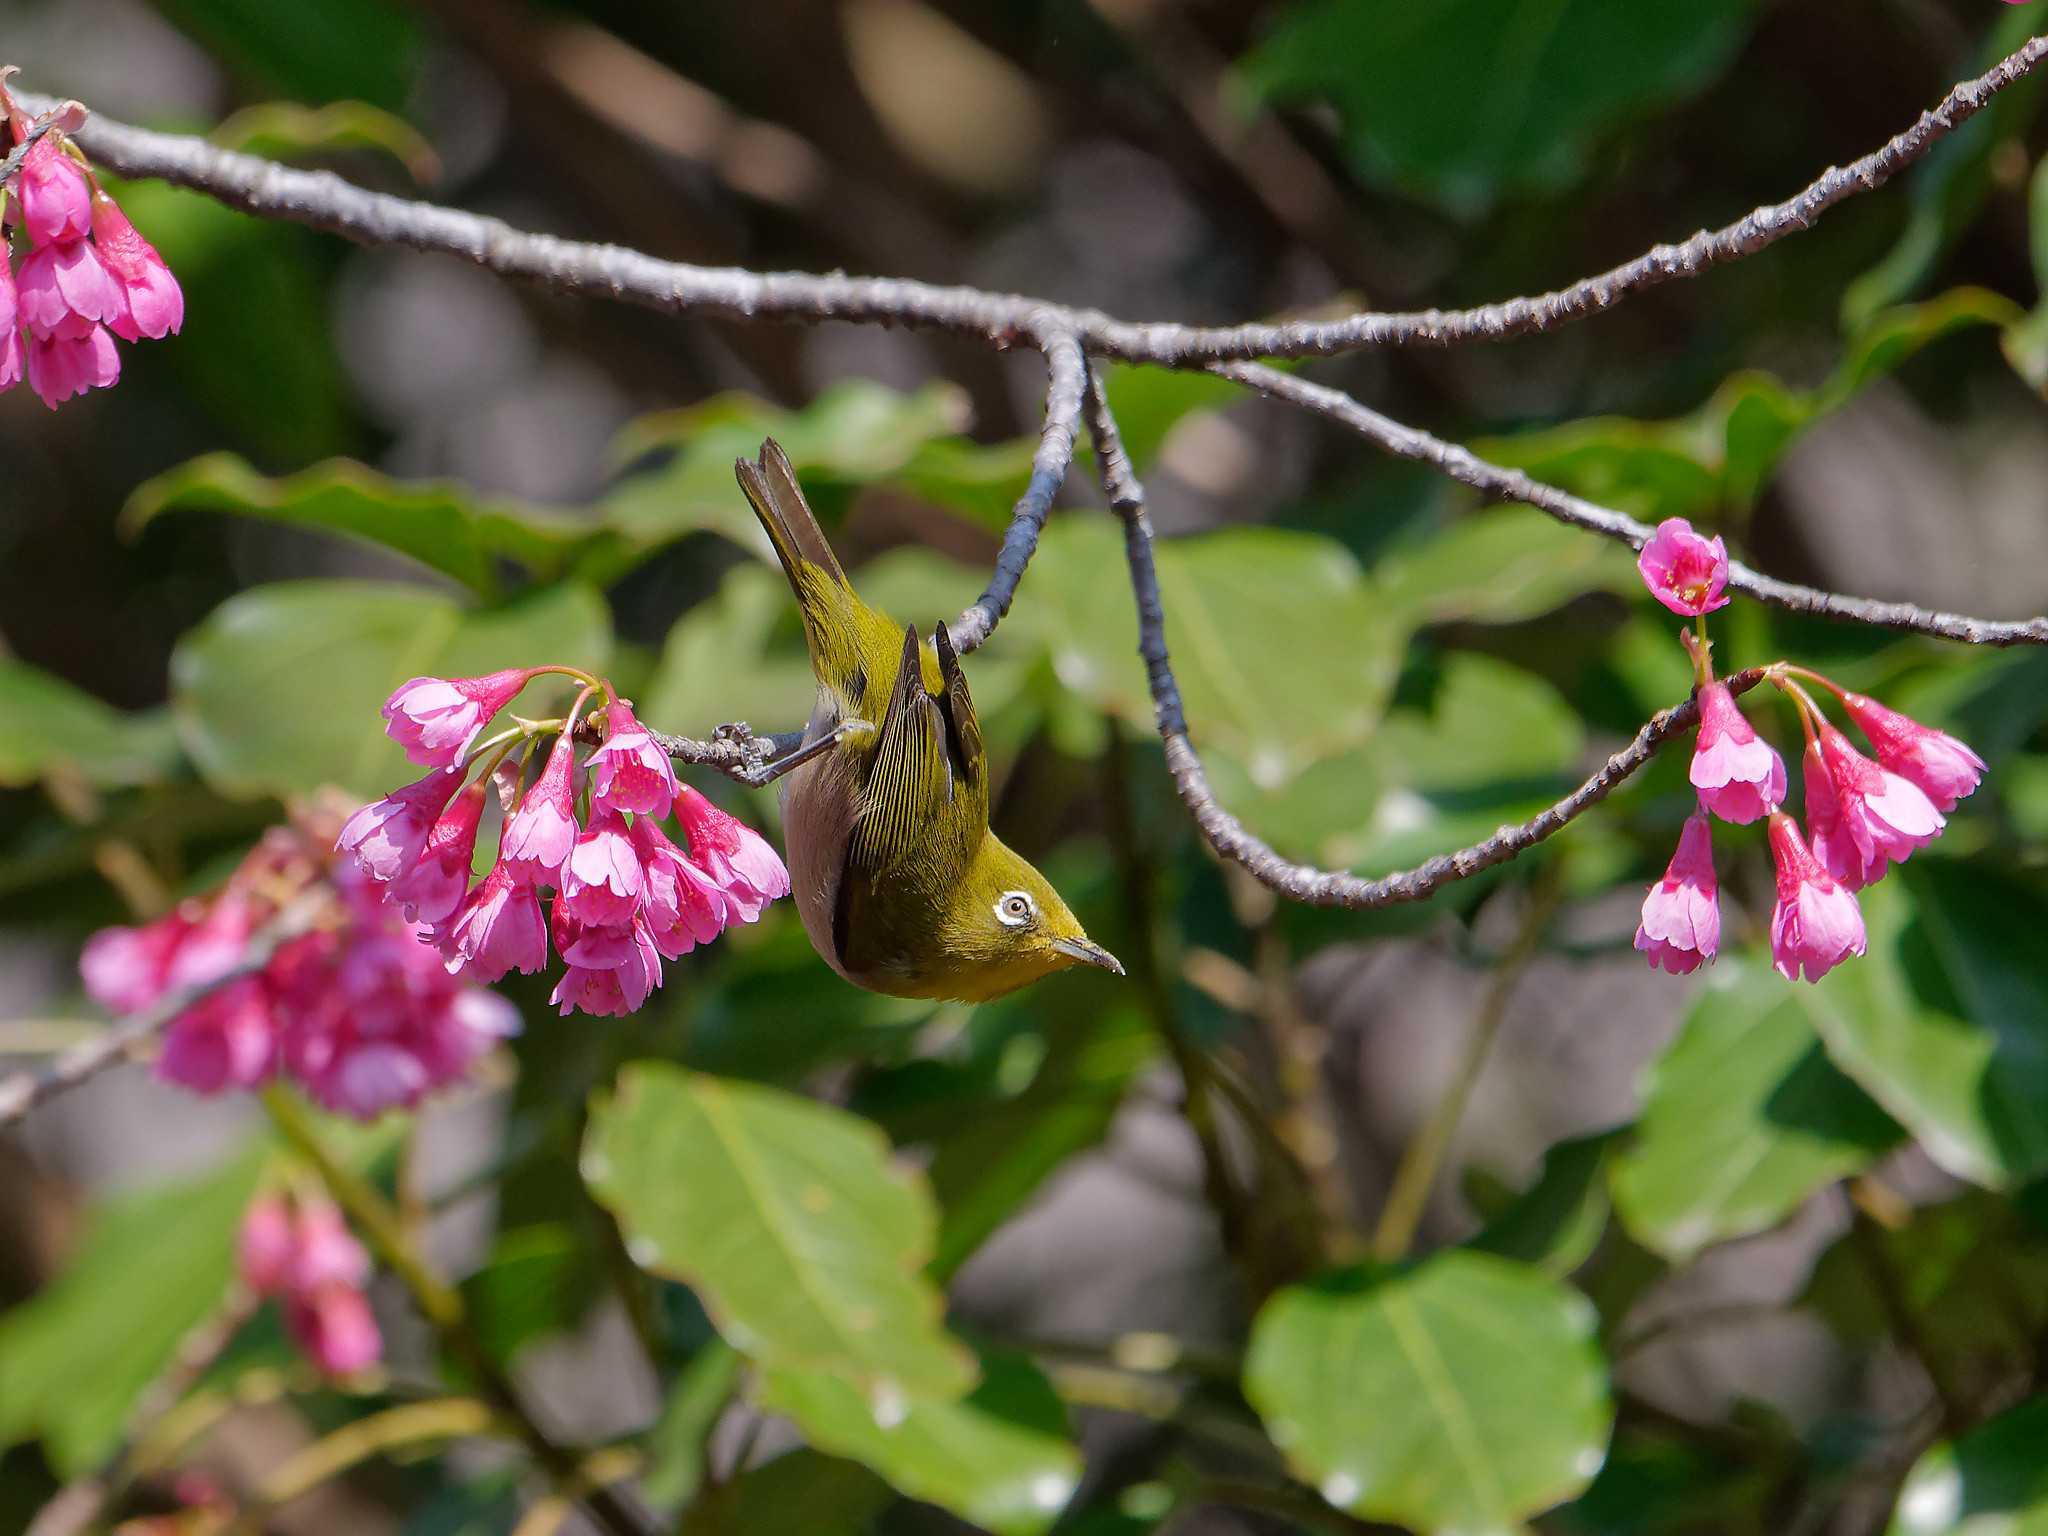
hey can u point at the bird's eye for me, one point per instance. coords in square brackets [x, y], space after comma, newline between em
[1015, 909]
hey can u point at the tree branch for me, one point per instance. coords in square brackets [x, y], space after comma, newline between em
[1493, 480]
[1229, 836]
[325, 201]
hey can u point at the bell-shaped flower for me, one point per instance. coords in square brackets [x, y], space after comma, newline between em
[55, 202]
[1681, 926]
[1739, 777]
[263, 1251]
[497, 929]
[1944, 769]
[539, 835]
[681, 905]
[150, 303]
[335, 1328]
[615, 990]
[1816, 923]
[601, 880]
[228, 1039]
[736, 857]
[431, 890]
[630, 772]
[71, 362]
[1863, 816]
[63, 288]
[436, 718]
[388, 836]
[1684, 570]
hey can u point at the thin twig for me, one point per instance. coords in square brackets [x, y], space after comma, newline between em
[1493, 480]
[1229, 836]
[325, 201]
[1423, 1159]
[23, 1091]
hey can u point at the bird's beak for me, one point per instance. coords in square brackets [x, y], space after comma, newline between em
[1089, 954]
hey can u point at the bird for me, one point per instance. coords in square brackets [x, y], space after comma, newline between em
[901, 885]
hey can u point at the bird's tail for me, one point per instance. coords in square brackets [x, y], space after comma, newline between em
[835, 619]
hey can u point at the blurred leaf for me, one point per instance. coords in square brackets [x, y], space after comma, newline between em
[437, 523]
[1464, 1392]
[1945, 1021]
[787, 1217]
[1489, 723]
[1719, 457]
[528, 1289]
[1283, 654]
[1150, 402]
[47, 724]
[801, 1492]
[1949, 187]
[720, 661]
[1743, 1117]
[1556, 1222]
[1500, 566]
[2026, 341]
[285, 130]
[1001, 1457]
[278, 691]
[1992, 1482]
[1654, 1486]
[317, 50]
[1545, 80]
[677, 1445]
[151, 1267]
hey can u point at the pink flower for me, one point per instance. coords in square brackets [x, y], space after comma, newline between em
[681, 905]
[324, 1251]
[1942, 767]
[150, 302]
[389, 835]
[733, 854]
[1816, 923]
[335, 1328]
[225, 1040]
[541, 833]
[1739, 777]
[12, 358]
[129, 968]
[55, 204]
[629, 772]
[498, 929]
[433, 888]
[1681, 926]
[212, 940]
[263, 1253]
[1863, 816]
[436, 718]
[62, 365]
[1683, 570]
[601, 880]
[614, 991]
[594, 947]
[63, 289]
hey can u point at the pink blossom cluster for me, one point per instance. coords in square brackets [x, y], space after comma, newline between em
[355, 1011]
[624, 895]
[87, 272]
[302, 1252]
[1862, 815]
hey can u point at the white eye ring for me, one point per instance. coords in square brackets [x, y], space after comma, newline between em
[1015, 908]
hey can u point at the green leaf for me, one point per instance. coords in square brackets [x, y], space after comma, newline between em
[1743, 1118]
[1000, 1458]
[677, 1445]
[529, 1288]
[1465, 1392]
[314, 49]
[1150, 402]
[801, 1492]
[789, 1220]
[278, 691]
[1992, 1482]
[1945, 1021]
[47, 725]
[1284, 656]
[1489, 723]
[1556, 1222]
[1547, 79]
[1720, 456]
[437, 523]
[285, 130]
[1499, 567]
[151, 1267]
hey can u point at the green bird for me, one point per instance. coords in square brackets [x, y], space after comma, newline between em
[900, 883]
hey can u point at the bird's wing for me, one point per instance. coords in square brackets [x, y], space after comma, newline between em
[911, 777]
[963, 726]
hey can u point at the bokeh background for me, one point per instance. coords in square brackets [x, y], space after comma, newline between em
[1787, 1275]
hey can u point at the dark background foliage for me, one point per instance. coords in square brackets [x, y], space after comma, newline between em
[1719, 1254]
